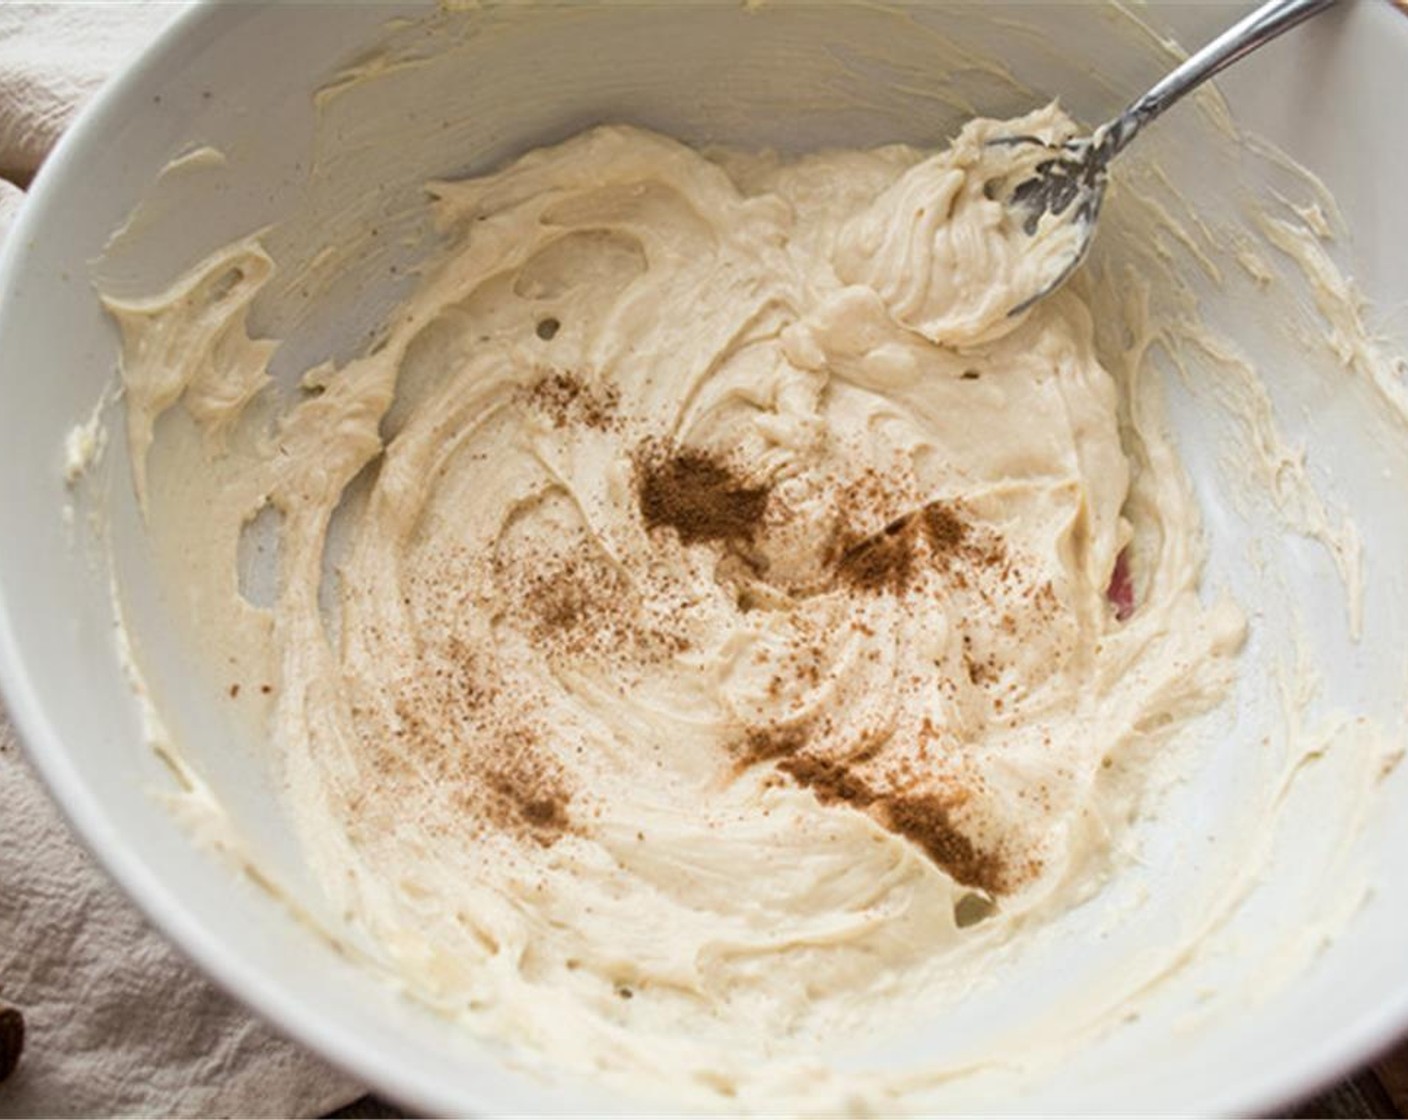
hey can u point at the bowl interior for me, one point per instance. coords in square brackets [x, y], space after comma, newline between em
[1330, 905]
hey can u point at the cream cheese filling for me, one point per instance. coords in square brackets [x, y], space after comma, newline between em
[736, 627]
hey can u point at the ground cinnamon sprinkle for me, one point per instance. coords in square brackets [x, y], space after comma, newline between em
[768, 744]
[568, 398]
[473, 737]
[943, 526]
[563, 591]
[830, 781]
[882, 561]
[696, 494]
[529, 798]
[572, 601]
[923, 820]
[888, 560]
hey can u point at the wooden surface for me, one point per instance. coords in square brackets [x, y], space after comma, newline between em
[1391, 1072]
[1380, 1090]
[11, 1038]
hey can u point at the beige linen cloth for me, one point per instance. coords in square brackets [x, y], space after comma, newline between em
[117, 1022]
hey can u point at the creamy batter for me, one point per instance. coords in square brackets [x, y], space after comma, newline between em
[734, 626]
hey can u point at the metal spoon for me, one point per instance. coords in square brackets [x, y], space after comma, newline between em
[1071, 182]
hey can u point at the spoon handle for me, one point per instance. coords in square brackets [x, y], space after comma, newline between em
[1256, 30]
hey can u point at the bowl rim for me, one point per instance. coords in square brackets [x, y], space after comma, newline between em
[235, 969]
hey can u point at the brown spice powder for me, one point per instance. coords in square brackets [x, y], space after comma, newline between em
[883, 561]
[459, 726]
[830, 781]
[888, 560]
[573, 601]
[924, 820]
[944, 527]
[531, 800]
[568, 398]
[697, 495]
[767, 744]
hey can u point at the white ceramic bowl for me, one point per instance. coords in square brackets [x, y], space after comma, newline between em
[242, 78]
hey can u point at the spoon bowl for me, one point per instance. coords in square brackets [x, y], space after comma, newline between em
[1056, 190]
[1060, 199]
